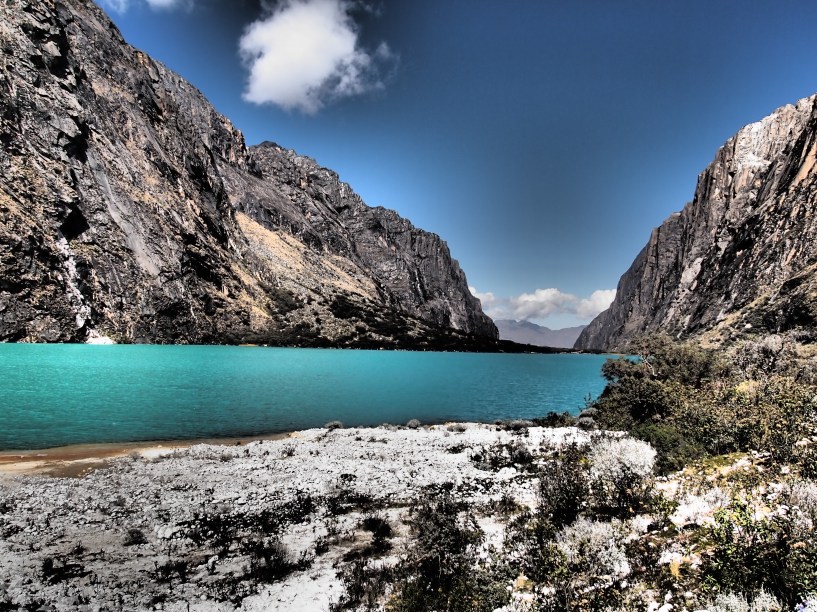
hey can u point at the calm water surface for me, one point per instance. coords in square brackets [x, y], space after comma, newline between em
[53, 395]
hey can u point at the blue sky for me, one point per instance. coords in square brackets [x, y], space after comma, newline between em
[542, 140]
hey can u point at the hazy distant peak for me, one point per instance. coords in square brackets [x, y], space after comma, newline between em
[526, 332]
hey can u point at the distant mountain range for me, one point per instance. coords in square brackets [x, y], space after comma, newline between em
[741, 258]
[526, 332]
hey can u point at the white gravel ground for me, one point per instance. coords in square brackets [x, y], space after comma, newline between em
[82, 523]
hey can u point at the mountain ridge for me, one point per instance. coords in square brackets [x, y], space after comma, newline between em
[130, 208]
[740, 258]
[525, 332]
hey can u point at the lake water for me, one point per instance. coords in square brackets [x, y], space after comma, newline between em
[54, 395]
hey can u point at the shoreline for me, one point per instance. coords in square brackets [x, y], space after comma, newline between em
[135, 525]
[76, 460]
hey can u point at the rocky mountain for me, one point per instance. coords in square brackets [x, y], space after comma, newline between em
[742, 256]
[130, 208]
[526, 332]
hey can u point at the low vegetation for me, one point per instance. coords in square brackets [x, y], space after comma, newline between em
[691, 403]
[694, 491]
[742, 427]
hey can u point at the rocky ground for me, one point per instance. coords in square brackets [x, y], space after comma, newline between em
[258, 526]
[468, 517]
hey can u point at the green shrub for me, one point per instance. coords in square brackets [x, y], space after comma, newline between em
[636, 399]
[674, 450]
[363, 585]
[690, 402]
[595, 559]
[518, 425]
[381, 532]
[440, 570]
[270, 559]
[172, 570]
[620, 475]
[563, 488]
[734, 602]
[662, 358]
[56, 570]
[750, 554]
[554, 419]
[498, 456]
[580, 567]
[134, 536]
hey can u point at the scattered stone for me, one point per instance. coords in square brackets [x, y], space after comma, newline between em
[187, 519]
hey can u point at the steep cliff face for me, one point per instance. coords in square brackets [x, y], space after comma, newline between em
[412, 270]
[129, 207]
[742, 255]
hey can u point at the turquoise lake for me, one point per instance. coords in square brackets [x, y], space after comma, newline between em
[55, 395]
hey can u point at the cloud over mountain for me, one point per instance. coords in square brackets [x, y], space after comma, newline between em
[542, 303]
[306, 53]
[120, 6]
[598, 301]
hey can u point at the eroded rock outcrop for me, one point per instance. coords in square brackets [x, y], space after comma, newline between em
[129, 207]
[742, 255]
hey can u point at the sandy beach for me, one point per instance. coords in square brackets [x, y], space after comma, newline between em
[79, 459]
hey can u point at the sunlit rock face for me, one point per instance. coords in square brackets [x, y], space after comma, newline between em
[741, 256]
[129, 208]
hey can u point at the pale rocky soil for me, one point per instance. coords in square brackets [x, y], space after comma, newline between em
[80, 525]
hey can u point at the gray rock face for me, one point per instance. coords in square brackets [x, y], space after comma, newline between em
[412, 269]
[129, 207]
[741, 256]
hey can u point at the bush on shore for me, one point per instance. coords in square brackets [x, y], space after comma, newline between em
[441, 570]
[689, 402]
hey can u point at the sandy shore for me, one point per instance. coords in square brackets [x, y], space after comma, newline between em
[79, 459]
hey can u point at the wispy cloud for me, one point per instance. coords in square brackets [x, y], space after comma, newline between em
[543, 303]
[168, 4]
[598, 301]
[487, 298]
[117, 6]
[306, 53]
[121, 6]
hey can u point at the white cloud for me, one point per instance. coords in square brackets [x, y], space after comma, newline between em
[307, 53]
[117, 6]
[544, 303]
[493, 306]
[121, 6]
[541, 304]
[488, 299]
[598, 302]
[167, 4]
